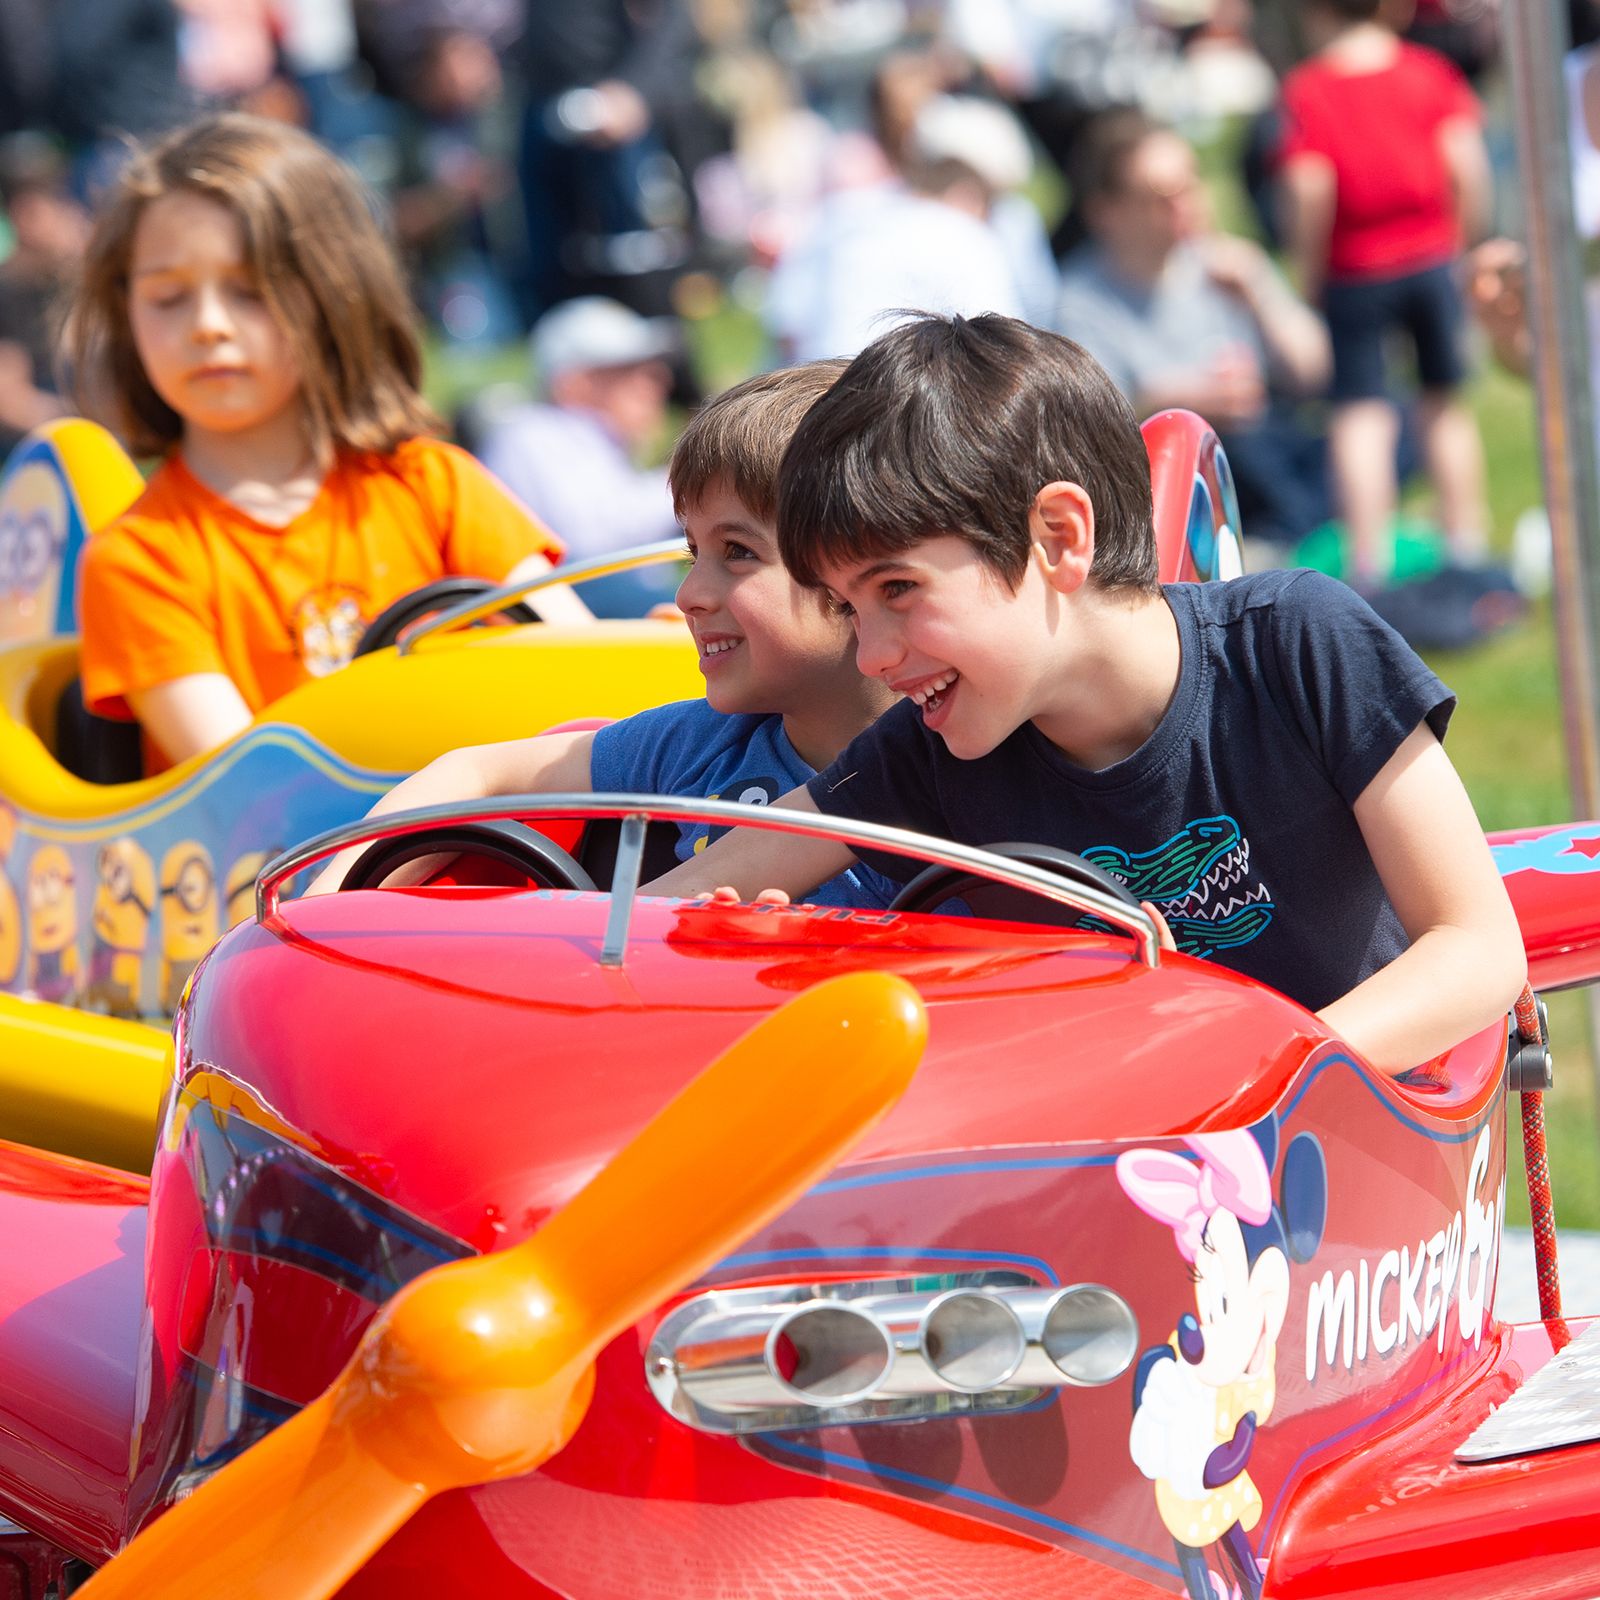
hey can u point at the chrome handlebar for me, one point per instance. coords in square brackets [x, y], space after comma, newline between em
[475, 610]
[636, 810]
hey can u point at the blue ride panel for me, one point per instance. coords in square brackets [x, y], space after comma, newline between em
[113, 914]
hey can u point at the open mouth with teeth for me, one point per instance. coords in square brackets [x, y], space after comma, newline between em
[930, 696]
[709, 649]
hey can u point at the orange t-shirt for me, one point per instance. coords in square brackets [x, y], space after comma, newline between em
[185, 582]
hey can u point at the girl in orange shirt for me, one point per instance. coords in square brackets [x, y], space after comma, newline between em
[241, 313]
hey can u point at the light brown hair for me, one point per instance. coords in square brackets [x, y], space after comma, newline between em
[740, 437]
[322, 264]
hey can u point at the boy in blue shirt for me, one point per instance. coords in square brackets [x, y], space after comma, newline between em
[1259, 759]
[783, 695]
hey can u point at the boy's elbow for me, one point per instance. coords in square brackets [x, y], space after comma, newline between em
[1513, 966]
[1502, 969]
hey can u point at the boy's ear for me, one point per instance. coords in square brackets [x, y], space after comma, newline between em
[1061, 527]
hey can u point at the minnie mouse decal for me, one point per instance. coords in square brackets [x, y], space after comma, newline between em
[1200, 1398]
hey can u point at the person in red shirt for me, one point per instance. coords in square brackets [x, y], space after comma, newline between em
[1384, 175]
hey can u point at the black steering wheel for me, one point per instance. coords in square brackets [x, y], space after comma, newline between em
[513, 844]
[439, 595]
[1004, 902]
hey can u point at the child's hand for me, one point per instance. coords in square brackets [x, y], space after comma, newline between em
[1497, 288]
[1167, 941]
[727, 895]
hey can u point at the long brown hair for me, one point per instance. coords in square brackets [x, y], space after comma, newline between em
[319, 257]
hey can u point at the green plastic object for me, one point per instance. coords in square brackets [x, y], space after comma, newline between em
[1419, 549]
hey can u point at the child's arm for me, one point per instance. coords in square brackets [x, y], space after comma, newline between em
[548, 763]
[1466, 964]
[750, 860]
[1308, 192]
[188, 715]
[560, 602]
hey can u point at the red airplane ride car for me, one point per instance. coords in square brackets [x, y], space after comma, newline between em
[1146, 1285]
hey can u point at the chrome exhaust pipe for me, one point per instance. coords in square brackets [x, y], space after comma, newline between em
[1084, 1334]
[962, 1341]
[822, 1353]
[830, 1354]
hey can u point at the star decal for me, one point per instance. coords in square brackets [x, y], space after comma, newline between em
[1583, 847]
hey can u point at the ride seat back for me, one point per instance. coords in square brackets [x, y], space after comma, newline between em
[62, 484]
[96, 749]
[1196, 506]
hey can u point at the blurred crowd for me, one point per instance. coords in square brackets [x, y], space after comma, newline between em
[598, 171]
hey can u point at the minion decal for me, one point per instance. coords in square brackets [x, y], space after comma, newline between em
[10, 906]
[83, 915]
[124, 901]
[52, 925]
[34, 522]
[67, 478]
[188, 916]
[241, 884]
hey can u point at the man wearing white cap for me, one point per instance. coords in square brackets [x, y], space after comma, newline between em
[604, 373]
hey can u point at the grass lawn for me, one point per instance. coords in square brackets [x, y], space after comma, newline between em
[1506, 741]
[1506, 738]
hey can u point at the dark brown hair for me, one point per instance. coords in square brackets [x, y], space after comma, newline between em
[321, 262]
[1353, 10]
[952, 425]
[740, 437]
[1107, 146]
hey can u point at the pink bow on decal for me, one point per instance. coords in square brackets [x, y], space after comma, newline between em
[1232, 1176]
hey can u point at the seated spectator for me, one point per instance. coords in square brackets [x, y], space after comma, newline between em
[925, 244]
[571, 458]
[49, 230]
[1182, 315]
[1497, 293]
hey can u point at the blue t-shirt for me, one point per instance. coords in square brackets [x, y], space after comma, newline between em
[1234, 817]
[692, 750]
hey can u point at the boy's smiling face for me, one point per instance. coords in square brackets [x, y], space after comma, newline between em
[766, 644]
[941, 627]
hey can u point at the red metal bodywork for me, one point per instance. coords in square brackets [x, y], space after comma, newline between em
[71, 1292]
[1552, 875]
[372, 1083]
[472, 1064]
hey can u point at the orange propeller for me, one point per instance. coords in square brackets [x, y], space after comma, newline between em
[483, 1369]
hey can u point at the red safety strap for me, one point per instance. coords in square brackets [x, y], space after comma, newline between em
[1541, 1205]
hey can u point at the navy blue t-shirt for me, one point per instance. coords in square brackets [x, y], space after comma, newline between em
[689, 749]
[1234, 817]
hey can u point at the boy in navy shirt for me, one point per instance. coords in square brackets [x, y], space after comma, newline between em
[783, 695]
[1258, 759]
